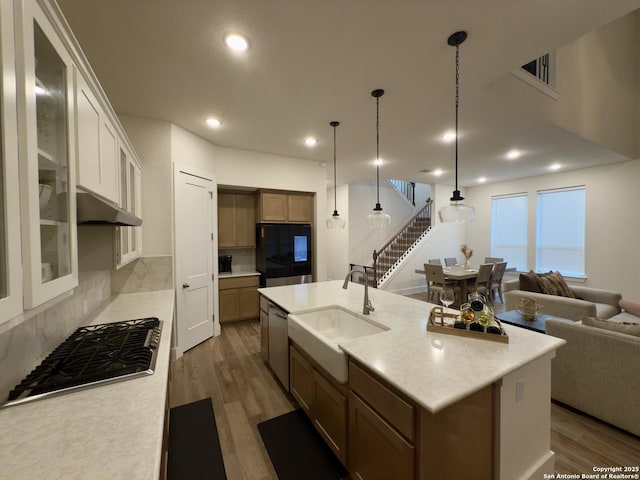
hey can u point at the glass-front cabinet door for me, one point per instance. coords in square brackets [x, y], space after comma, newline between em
[10, 268]
[129, 245]
[48, 181]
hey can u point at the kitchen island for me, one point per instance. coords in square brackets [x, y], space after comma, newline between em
[456, 388]
[112, 431]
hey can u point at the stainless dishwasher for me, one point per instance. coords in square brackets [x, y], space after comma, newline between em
[279, 344]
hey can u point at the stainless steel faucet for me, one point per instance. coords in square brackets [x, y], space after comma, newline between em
[367, 307]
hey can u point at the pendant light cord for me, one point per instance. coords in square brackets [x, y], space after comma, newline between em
[378, 151]
[335, 184]
[457, 103]
[377, 94]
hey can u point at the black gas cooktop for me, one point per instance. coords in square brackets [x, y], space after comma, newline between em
[93, 355]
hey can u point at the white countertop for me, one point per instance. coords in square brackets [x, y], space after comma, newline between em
[434, 369]
[110, 431]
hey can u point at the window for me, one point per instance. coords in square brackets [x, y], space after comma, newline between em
[560, 231]
[509, 229]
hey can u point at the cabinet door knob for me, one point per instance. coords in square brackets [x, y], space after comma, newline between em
[185, 285]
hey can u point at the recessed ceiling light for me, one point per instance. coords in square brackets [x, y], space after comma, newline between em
[213, 122]
[449, 137]
[437, 172]
[482, 179]
[310, 141]
[513, 154]
[236, 42]
[378, 161]
[555, 166]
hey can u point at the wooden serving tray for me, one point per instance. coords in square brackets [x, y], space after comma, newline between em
[436, 324]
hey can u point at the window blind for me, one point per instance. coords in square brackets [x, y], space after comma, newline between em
[509, 229]
[560, 231]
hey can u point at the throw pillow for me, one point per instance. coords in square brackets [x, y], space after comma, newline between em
[529, 282]
[630, 328]
[631, 307]
[553, 283]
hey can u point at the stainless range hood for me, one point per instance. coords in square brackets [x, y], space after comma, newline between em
[97, 211]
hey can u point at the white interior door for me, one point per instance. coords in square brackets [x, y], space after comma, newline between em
[194, 239]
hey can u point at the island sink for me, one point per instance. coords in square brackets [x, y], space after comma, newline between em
[319, 333]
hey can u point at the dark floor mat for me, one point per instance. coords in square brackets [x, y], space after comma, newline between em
[297, 451]
[194, 447]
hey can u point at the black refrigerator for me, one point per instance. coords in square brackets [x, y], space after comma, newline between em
[283, 253]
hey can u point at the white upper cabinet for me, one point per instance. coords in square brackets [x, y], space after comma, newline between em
[129, 242]
[97, 152]
[10, 255]
[57, 130]
[47, 157]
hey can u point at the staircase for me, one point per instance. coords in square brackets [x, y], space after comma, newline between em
[406, 189]
[389, 257]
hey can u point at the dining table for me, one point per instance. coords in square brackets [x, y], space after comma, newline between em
[458, 274]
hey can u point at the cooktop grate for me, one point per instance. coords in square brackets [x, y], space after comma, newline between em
[94, 354]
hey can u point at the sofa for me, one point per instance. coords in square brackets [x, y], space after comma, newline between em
[589, 301]
[596, 371]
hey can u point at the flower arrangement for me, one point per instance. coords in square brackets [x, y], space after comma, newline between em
[467, 252]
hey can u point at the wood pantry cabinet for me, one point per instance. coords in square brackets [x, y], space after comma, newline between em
[291, 207]
[323, 399]
[238, 298]
[236, 220]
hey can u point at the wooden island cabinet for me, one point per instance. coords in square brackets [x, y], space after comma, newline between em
[418, 405]
[322, 398]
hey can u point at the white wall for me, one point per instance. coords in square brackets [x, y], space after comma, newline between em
[160, 143]
[362, 199]
[244, 168]
[422, 193]
[612, 222]
[596, 76]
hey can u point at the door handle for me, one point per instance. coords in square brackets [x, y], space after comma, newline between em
[185, 285]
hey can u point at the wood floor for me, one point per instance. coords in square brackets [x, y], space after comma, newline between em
[229, 369]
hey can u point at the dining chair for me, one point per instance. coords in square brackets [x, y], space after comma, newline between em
[450, 261]
[436, 282]
[493, 259]
[496, 280]
[483, 281]
[435, 261]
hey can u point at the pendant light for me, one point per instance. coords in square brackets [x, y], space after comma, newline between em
[457, 211]
[377, 218]
[335, 221]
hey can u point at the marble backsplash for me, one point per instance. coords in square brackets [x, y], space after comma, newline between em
[25, 345]
[145, 274]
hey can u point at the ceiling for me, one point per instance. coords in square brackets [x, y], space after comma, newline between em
[314, 61]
